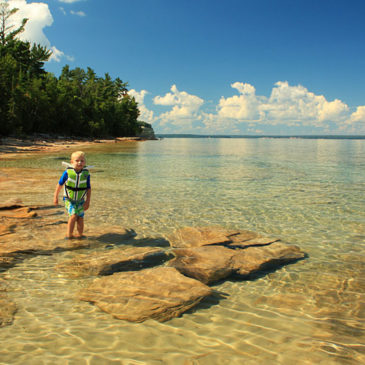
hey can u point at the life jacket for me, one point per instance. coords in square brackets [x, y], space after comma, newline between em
[76, 184]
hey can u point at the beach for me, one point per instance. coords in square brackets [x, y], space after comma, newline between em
[11, 147]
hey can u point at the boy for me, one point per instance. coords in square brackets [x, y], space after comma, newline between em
[77, 186]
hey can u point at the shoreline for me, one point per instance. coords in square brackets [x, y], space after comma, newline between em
[11, 146]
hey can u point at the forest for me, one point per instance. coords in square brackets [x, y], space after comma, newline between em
[77, 103]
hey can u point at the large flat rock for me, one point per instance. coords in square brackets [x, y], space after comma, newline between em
[261, 258]
[188, 237]
[114, 260]
[48, 240]
[207, 264]
[213, 263]
[159, 293]
[39, 230]
[198, 236]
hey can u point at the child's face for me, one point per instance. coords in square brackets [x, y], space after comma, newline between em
[78, 163]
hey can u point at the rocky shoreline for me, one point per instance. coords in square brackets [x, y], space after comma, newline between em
[10, 147]
[138, 279]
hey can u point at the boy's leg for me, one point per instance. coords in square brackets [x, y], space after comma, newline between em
[71, 225]
[80, 226]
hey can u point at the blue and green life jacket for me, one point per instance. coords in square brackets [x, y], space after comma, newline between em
[76, 184]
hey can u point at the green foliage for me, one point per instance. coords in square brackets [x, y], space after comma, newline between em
[77, 103]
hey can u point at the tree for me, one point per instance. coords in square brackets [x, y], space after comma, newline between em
[78, 103]
[5, 14]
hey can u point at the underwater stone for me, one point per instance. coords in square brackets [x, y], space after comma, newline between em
[216, 262]
[114, 260]
[159, 293]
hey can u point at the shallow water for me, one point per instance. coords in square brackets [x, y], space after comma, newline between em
[306, 192]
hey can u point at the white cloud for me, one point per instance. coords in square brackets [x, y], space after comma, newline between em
[241, 107]
[288, 107]
[184, 110]
[181, 98]
[296, 104]
[78, 13]
[146, 114]
[39, 17]
[358, 116]
[56, 54]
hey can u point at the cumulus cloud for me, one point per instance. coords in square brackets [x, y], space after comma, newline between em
[288, 107]
[146, 114]
[359, 115]
[184, 110]
[241, 107]
[39, 17]
[292, 104]
[180, 98]
[56, 54]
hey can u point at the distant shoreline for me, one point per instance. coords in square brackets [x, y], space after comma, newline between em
[260, 136]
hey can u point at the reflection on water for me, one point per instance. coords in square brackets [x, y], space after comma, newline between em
[306, 192]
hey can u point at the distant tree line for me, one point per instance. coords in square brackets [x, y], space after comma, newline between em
[77, 103]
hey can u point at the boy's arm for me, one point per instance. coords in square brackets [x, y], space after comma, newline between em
[63, 179]
[55, 196]
[88, 198]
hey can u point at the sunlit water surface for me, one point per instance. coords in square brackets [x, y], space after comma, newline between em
[306, 192]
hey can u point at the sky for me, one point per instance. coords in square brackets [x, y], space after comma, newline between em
[246, 67]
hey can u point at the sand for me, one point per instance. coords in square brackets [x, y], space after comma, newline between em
[9, 147]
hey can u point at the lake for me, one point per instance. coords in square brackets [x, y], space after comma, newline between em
[307, 192]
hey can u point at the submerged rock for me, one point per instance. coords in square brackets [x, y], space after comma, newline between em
[198, 236]
[114, 260]
[159, 293]
[244, 254]
[254, 259]
[39, 230]
[204, 236]
[202, 255]
[207, 264]
[244, 239]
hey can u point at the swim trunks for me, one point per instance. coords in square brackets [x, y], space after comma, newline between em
[75, 207]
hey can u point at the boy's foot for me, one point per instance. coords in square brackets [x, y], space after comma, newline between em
[79, 236]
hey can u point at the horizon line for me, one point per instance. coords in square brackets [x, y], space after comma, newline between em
[304, 136]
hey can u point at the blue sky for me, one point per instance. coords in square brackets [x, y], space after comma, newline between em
[218, 67]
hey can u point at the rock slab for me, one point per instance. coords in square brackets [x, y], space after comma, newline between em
[240, 253]
[114, 260]
[159, 293]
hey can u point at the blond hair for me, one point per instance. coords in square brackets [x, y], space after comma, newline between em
[77, 154]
